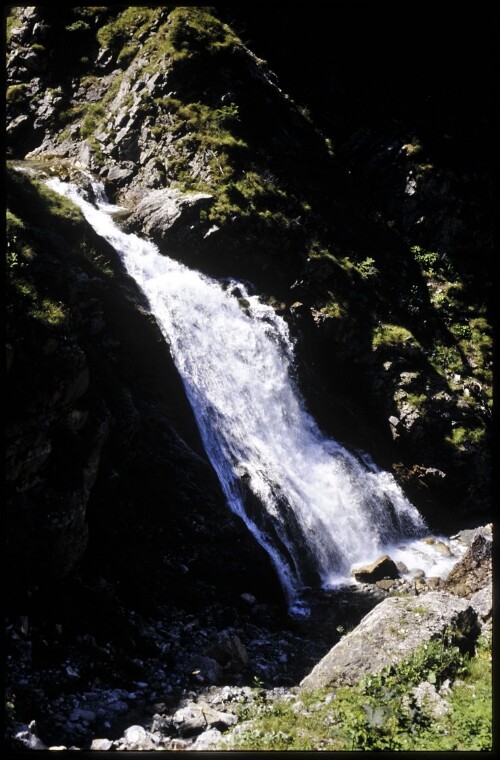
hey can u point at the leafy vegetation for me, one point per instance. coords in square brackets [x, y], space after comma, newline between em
[16, 92]
[121, 33]
[381, 712]
[11, 21]
[392, 335]
[36, 277]
[461, 437]
[195, 30]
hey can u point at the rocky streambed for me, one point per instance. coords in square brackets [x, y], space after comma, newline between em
[181, 680]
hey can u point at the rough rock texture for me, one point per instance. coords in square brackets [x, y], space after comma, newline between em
[390, 633]
[207, 740]
[195, 718]
[482, 601]
[171, 217]
[387, 359]
[361, 226]
[430, 702]
[474, 571]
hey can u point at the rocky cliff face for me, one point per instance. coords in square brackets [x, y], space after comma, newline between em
[360, 234]
[375, 241]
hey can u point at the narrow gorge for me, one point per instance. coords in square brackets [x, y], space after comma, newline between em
[249, 382]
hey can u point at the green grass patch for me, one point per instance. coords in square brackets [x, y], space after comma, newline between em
[195, 30]
[386, 334]
[334, 309]
[11, 22]
[462, 437]
[380, 712]
[16, 93]
[367, 268]
[121, 33]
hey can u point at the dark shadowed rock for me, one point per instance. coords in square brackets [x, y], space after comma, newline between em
[229, 651]
[383, 568]
[27, 739]
[390, 633]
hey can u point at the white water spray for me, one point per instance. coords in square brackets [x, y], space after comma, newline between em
[316, 508]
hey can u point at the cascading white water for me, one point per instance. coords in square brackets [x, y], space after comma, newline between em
[315, 507]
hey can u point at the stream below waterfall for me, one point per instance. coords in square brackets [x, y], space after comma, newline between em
[315, 507]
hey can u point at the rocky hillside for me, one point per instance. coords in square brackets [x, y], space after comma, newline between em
[376, 239]
[345, 208]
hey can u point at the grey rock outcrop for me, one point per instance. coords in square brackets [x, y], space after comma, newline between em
[102, 745]
[474, 571]
[196, 718]
[389, 633]
[429, 701]
[171, 217]
[482, 601]
[207, 740]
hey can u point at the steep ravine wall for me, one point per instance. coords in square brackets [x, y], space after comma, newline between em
[393, 359]
[99, 432]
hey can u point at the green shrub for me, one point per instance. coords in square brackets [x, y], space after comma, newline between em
[367, 268]
[380, 712]
[16, 93]
[386, 334]
[78, 26]
[428, 260]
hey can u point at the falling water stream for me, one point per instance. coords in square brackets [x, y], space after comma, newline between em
[315, 507]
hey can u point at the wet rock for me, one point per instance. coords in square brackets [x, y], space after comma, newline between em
[383, 568]
[389, 633]
[443, 549]
[439, 546]
[402, 567]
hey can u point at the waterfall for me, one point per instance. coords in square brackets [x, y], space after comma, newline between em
[315, 507]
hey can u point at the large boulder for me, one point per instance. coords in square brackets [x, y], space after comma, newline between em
[171, 217]
[391, 632]
[383, 568]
